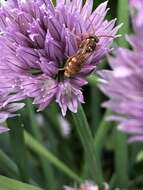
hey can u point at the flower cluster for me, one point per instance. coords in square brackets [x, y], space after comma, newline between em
[137, 22]
[124, 84]
[88, 185]
[37, 38]
[137, 13]
[8, 104]
[7, 111]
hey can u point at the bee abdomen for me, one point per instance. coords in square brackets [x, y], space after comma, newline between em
[72, 68]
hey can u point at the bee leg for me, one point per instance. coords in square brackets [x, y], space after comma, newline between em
[61, 69]
[67, 56]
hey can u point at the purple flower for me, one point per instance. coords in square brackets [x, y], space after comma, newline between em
[137, 13]
[9, 92]
[8, 110]
[124, 86]
[137, 21]
[37, 39]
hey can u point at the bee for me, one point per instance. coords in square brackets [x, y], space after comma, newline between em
[86, 48]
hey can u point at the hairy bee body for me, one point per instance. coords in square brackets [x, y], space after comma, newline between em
[74, 63]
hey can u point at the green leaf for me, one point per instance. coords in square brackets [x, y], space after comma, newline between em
[18, 147]
[101, 133]
[121, 159]
[8, 165]
[123, 17]
[37, 147]
[121, 148]
[95, 108]
[46, 166]
[10, 184]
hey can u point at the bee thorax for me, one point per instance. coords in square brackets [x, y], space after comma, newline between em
[74, 59]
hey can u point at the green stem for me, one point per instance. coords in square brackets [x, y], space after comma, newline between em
[95, 108]
[123, 17]
[93, 80]
[121, 159]
[112, 182]
[121, 149]
[11, 184]
[18, 147]
[47, 169]
[88, 145]
[102, 133]
[33, 123]
[33, 144]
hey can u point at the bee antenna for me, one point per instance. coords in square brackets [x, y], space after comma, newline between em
[106, 36]
[109, 36]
